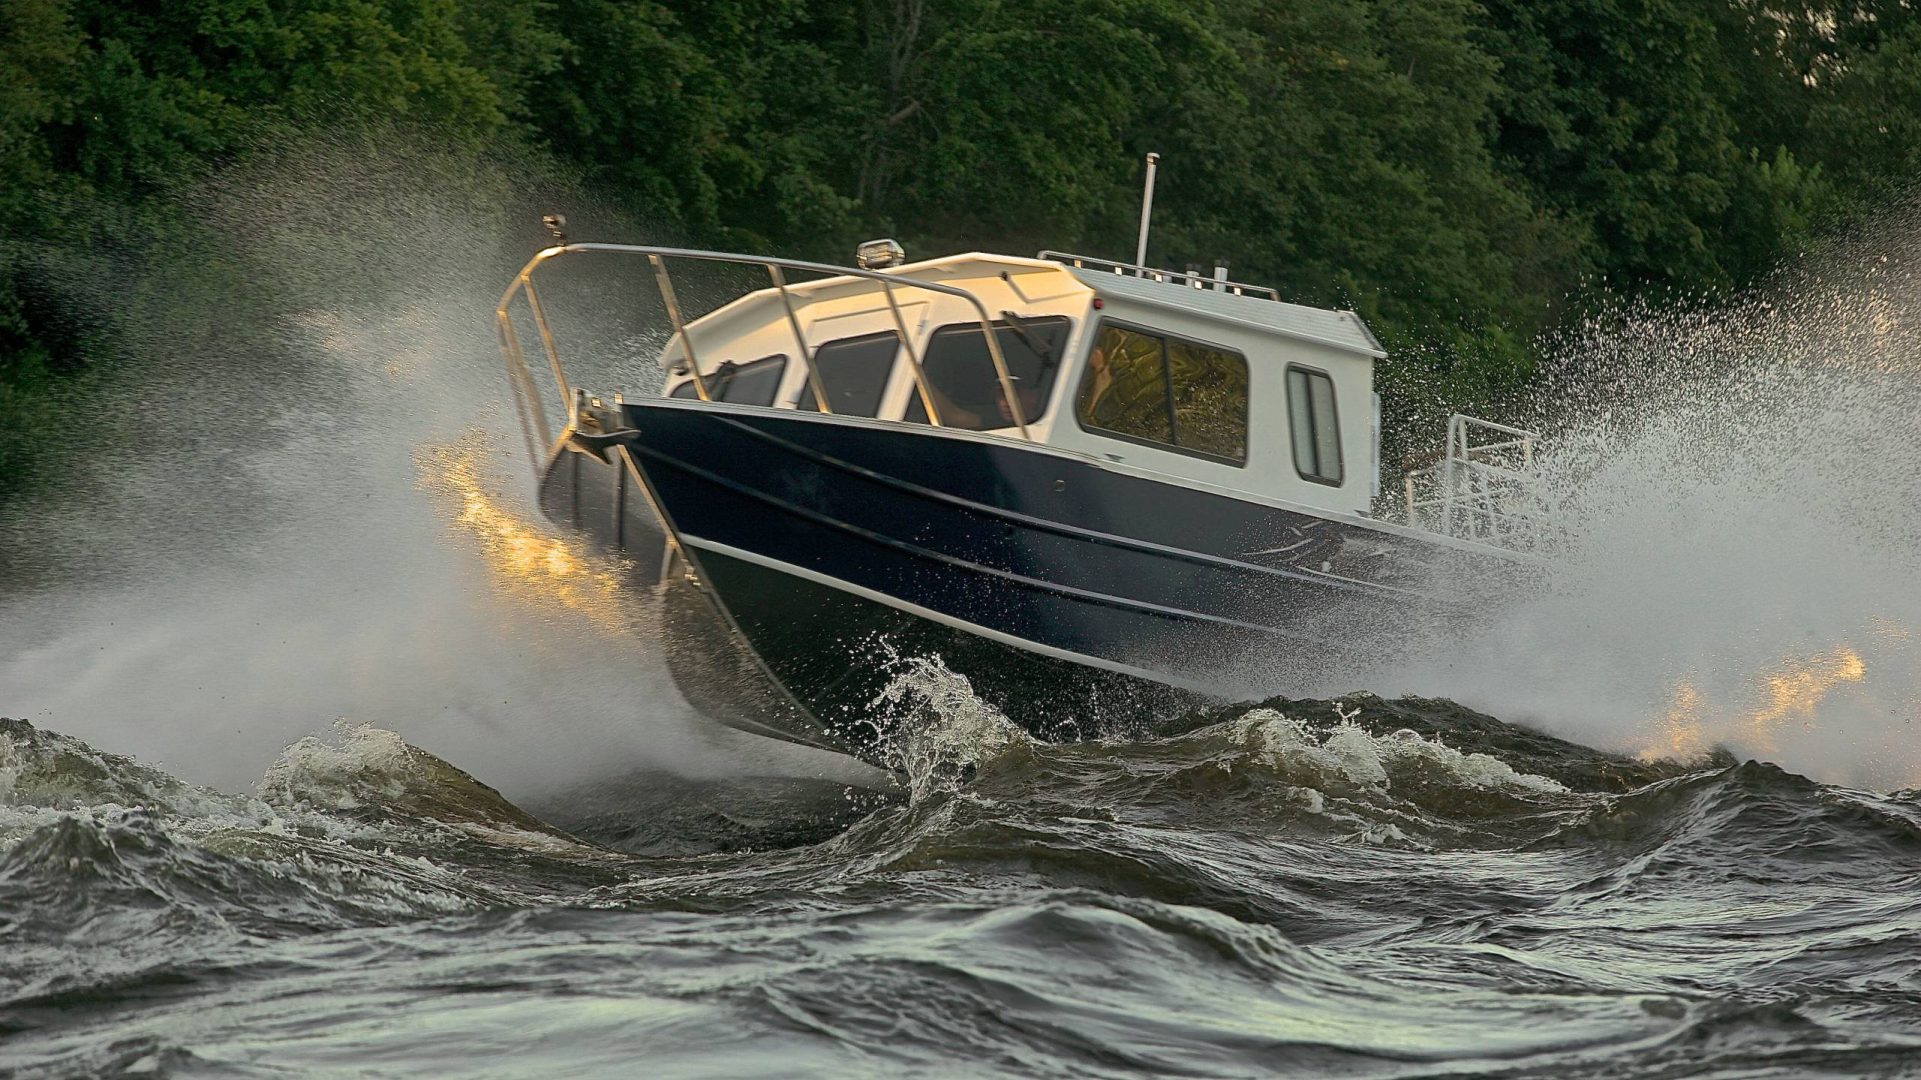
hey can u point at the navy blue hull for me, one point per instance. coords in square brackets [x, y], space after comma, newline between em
[1068, 594]
[833, 653]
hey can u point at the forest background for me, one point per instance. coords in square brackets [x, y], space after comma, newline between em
[1474, 178]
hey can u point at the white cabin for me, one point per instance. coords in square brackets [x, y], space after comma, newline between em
[1192, 378]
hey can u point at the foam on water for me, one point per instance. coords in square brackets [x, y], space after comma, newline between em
[1104, 908]
[48, 770]
[1353, 754]
[940, 731]
[363, 770]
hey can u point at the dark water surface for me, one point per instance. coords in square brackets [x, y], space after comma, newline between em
[1364, 888]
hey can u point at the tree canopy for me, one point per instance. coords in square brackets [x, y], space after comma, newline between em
[1467, 173]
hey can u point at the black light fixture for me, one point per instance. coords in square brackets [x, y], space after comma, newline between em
[556, 226]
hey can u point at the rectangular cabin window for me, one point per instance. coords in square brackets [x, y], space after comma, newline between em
[1210, 400]
[853, 371]
[1168, 391]
[1124, 391]
[754, 383]
[1316, 427]
[966, 389]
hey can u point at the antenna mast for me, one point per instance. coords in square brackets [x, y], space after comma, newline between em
[1147, 211]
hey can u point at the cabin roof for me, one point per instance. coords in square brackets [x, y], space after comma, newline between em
[1342, 330]
[946, 270]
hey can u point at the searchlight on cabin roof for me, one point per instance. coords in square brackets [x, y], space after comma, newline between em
[879, 255]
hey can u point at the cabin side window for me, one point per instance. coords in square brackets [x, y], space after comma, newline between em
[853, 371]
[754, 383]
[1168, 391]
[1210, 400]
[964, 385]
[1315, 425]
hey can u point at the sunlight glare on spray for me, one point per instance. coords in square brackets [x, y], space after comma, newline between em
[1683, 735]
[1691, 725]
[1794, 693]
[524, 561]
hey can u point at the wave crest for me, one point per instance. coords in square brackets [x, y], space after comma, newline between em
[941, 732]
[1350, 753]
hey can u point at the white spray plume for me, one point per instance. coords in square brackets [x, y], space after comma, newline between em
[272, 543]
[1742, 489]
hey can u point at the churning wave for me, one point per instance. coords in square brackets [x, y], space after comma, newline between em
[1358, 887]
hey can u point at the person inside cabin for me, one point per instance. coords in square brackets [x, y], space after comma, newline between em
[1099, 374]
[953, 414]
[1026, 393]
[963, 372]
[1118, 366]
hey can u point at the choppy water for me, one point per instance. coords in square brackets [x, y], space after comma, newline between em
[1359, 888]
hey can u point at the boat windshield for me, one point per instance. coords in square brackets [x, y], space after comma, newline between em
[854, 373]
[742, 384]
[961, 377]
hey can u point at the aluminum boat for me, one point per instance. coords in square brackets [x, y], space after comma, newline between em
[1096, 490]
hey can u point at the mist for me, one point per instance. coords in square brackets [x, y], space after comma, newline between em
[299, 510]
[1741, 505]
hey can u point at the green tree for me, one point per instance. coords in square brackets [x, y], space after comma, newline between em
[1616, 114]
[109, 111]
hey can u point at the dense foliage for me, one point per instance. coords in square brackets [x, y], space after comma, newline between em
[1465, 173]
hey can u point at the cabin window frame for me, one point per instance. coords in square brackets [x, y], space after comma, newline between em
[1167, 386]
[962, 326]
[886, 382]
[773, 399]
[1334, 397]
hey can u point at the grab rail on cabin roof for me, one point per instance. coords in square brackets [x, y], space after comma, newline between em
[1193, 281]
[526, 395]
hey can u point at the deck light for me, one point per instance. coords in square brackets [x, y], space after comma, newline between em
[556, 226]
[879, 255]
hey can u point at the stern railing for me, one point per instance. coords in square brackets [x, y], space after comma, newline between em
[1483, 488]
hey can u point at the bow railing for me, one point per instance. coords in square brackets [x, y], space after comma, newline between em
[526, 395]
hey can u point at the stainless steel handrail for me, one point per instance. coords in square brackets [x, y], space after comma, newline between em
[672, 302]
[800, 340]
[522, 382]
[520, 378]
[1238, 288]
[1481, 490]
